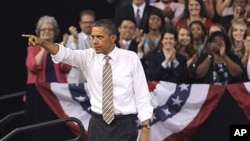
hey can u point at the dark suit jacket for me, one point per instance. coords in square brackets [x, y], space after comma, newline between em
[179, 74]
[127, 11]
[133, 46]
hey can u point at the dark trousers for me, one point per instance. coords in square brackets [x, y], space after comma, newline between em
[122, 128]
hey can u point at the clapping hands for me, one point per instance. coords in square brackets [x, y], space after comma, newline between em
[170, 54]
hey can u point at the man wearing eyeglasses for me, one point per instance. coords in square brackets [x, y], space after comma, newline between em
[80, 40]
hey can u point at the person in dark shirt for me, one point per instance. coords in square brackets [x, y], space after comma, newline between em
[167, 65]
[138, 8]
[218, 65]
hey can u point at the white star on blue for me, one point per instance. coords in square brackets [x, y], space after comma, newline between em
[177, 101]
[183, 87]
[80, 98]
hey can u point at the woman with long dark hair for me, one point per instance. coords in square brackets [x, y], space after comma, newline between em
[194, 11]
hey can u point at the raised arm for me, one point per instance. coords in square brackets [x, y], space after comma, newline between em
[221, 5]
[34, 40]
[210, 8]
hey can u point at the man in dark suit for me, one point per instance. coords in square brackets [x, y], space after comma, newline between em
[127, 31]
[137, 9]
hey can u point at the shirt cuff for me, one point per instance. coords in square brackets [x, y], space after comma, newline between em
[146, 115]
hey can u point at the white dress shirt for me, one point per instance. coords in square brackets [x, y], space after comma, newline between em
[142, 7]
[175, 6]
[130, 89]
[126, 43]
[227, 11]
[81, 41]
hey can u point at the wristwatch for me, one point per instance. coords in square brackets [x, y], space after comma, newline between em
[146, 126]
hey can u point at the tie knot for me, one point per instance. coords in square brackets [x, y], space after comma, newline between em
[88, 38]
[88, 42]
[107, 58]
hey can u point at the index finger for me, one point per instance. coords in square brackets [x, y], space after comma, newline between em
[26, 35]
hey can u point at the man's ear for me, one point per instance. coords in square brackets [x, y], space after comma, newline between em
[113, 37]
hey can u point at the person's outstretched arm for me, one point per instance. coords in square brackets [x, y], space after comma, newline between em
[34, 40]
[220, 5]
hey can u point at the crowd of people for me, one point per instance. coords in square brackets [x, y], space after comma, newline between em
[143, 27]
[191, 41]
[195, 21]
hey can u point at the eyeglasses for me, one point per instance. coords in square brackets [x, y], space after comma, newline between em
[47, 29]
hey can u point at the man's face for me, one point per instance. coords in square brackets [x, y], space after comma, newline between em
[103, 42]
[127, 29]
[138, 2]
[86, 23]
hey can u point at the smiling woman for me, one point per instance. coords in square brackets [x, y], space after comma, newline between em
[38, 62]
[194, 10]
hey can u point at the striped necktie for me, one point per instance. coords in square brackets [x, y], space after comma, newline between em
[88, 42]
[107, 89]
